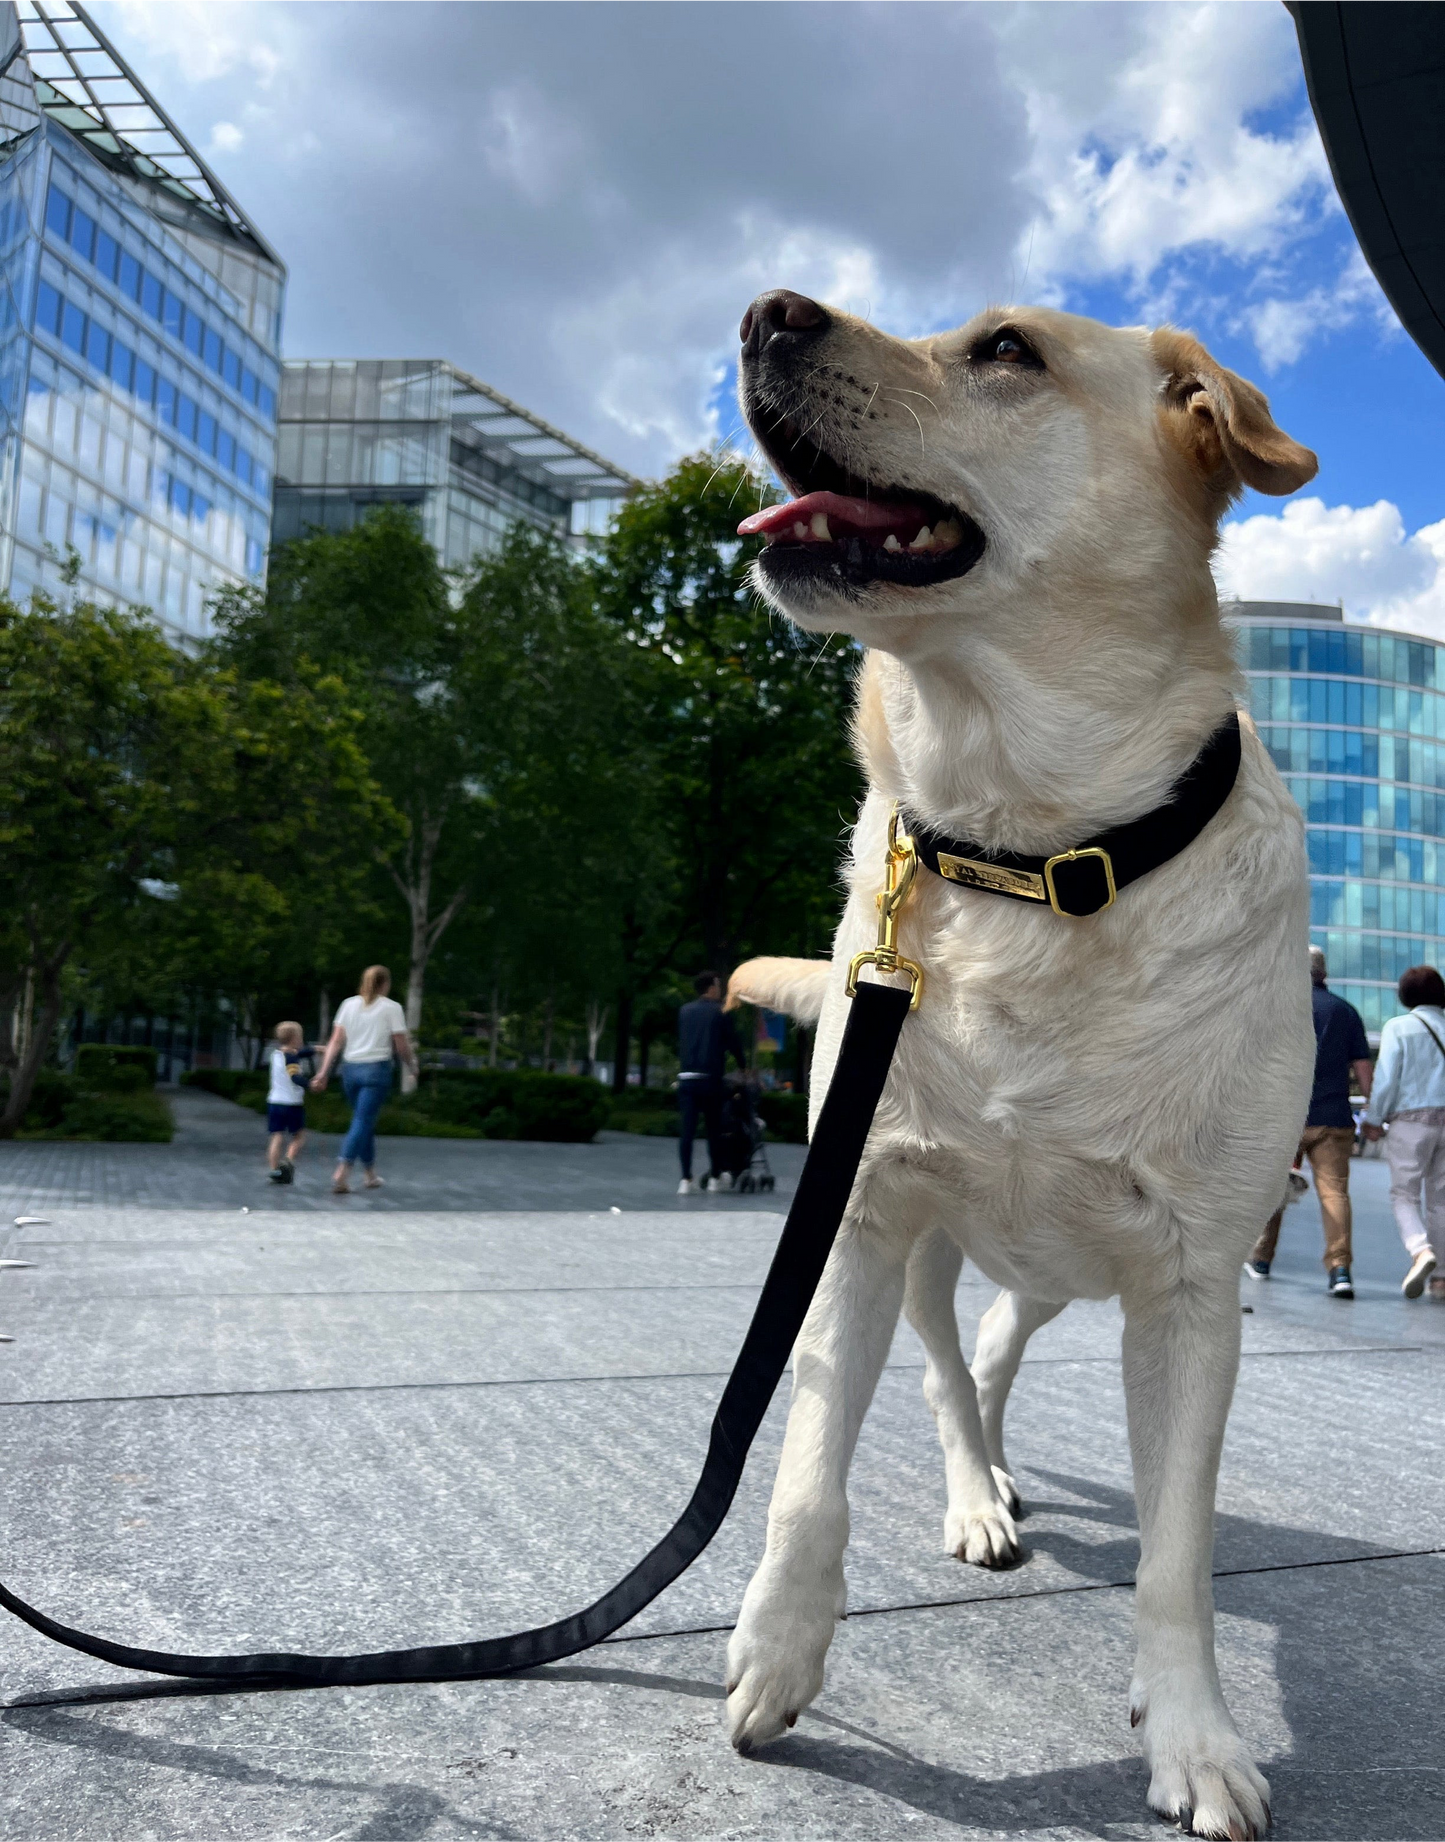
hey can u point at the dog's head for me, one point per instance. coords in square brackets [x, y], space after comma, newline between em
[1028, 453]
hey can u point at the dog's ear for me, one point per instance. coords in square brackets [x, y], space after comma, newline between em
[1222, 423]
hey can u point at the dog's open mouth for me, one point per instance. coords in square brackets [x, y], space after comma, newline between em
[854, 530]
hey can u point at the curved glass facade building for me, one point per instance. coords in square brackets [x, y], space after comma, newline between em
[140, 326]
[1354, 718]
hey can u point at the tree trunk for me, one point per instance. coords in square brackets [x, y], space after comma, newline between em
[415, 887]
[547, 1030]
[624, 1040]
[324, 1016]
[25, 1068]
[494, 1029]
[644, 1049]
[596, 1024]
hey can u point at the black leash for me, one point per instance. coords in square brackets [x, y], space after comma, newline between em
[874, 1021]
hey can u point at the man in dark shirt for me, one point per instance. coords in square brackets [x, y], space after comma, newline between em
[706, 1036]
[1341, 1054]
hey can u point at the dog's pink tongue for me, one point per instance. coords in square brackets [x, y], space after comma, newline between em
[859, 514]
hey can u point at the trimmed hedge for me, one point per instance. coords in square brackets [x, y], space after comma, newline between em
[785, 1116]
[449, 1103]
[516, 1103]
[62, 1108]
[243, 1085]
[115, 1068]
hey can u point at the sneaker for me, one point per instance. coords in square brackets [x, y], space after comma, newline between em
[1421, 1267]
[277, 1175]
[1341, 1285]
[1257, 1269]
[1298, 1185]
[287, 1171]
[1437, 1287]
[724, 1182]
[687, 1187]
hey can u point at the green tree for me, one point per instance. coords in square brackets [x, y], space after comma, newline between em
[148, 795]
[745, 732]
[372, 605]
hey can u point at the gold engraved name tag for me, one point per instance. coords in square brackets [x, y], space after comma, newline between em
[992, 876]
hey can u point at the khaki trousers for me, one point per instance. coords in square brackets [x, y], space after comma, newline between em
[1328, 1150]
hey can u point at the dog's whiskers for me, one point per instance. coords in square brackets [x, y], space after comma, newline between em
[919, 393]
[922, 444]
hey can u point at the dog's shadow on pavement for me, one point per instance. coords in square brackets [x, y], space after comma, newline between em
[1356, 1660]
[1357, 1672]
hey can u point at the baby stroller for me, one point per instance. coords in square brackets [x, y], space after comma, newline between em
[741, 1149]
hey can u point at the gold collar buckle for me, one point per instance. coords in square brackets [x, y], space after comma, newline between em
[1106, 863]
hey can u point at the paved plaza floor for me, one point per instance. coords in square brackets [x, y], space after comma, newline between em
[469, 1402]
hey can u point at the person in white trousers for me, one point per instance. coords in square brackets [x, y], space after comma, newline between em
[1409, 1095]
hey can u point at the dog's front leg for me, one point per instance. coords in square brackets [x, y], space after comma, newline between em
[979, 1524]
[1181, 1351]
[775, 1658]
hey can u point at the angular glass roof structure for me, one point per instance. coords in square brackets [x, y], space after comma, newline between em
[63, 65]
[484, 419]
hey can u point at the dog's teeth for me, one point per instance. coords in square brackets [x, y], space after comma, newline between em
[819, 527]
[947, 534]
[923, 541]
[800, 529]
[891, 542]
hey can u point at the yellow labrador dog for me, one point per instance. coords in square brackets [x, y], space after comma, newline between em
[1016, 520]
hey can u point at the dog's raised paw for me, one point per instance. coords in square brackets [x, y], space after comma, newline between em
[983, 1538]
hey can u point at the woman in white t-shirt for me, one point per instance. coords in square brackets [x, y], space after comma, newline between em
[369, 1029]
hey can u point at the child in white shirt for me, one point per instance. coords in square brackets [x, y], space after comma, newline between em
[286, 1101]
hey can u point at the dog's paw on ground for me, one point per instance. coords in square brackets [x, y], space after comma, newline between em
[984, 1536]
[775, 1666]
[1214, 1790]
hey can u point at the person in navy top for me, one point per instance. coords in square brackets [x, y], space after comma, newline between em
[706, 1036]
[1342, 1057]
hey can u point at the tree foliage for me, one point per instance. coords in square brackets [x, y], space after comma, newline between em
[745, 730]
[552, 788]
[159, 811]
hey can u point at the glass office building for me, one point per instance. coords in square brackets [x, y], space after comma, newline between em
[355, 433]
[140, 327]
[1354, 718]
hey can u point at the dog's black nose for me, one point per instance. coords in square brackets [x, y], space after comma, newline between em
[780, 311]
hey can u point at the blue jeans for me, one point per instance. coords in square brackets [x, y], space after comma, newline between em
[366, 1085]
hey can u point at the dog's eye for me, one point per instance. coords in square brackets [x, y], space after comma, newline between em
[1007, 348]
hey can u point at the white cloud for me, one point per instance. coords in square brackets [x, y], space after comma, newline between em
[1283, 328]
[207, 41]
[578, 203]
[1359, 555]
[1142, 145]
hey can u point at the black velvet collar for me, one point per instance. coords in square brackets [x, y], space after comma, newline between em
[1085, 880]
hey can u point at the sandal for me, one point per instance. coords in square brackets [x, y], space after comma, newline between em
[373, 1182]
[341, 1187]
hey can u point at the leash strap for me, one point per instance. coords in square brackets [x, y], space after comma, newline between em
[1086, 880]
[874, 1021]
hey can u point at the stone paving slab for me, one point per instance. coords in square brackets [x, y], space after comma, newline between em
[225, 1430]
[987, 1721]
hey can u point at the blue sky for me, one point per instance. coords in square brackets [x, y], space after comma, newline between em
[576, 203]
